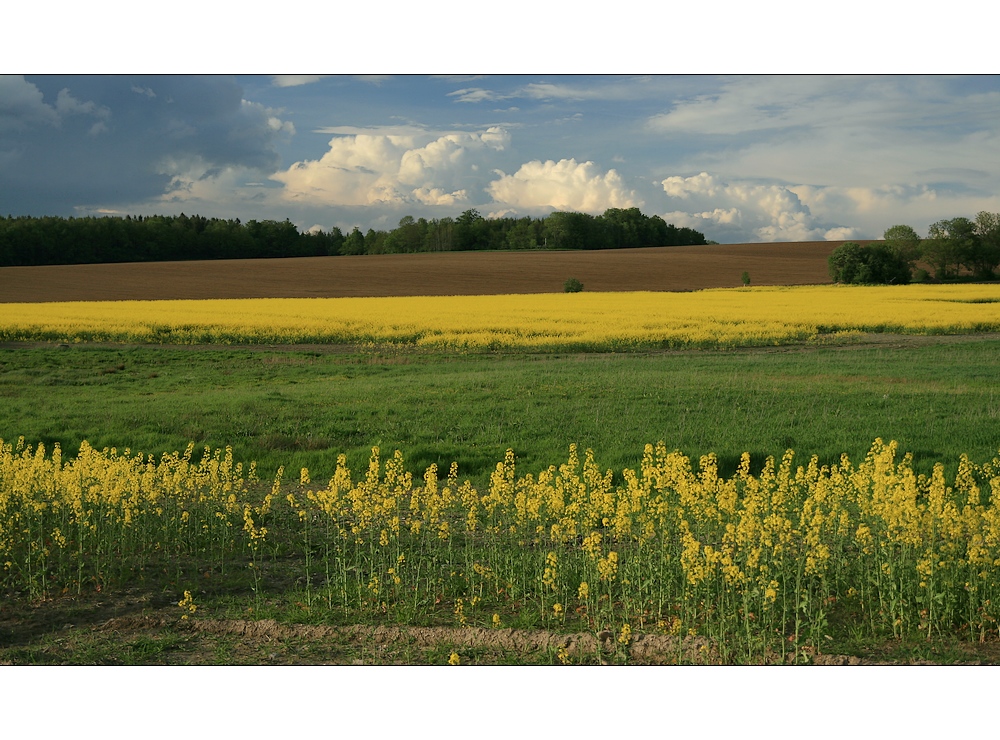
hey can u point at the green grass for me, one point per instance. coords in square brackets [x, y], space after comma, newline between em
[936, 397]
[302, 408]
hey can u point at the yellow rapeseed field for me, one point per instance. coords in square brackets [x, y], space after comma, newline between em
[709, 318]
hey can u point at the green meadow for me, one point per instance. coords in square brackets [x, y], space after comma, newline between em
[301, 408]
[262, 600]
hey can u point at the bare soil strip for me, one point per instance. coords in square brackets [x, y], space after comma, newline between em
[644, 649]
[104, 626]
[430, 273]
[135, 627]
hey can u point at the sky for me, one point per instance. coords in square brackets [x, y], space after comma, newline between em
[739, 156]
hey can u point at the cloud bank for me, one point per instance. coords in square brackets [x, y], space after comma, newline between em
[734, 209]
[98, 141]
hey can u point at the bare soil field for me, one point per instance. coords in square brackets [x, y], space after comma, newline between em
[429, 273]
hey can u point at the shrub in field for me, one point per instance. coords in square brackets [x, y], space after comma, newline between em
[572, 286]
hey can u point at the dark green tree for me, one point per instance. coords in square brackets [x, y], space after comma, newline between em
[375, 241]
[986, 258]
[521, 235]
[903, 240]
[625, 228]
[871, 264]
[845, 262]
[354, 243]
[470, 230]
[571, 230]
[439, 235]
[950, 244]
[408, 237]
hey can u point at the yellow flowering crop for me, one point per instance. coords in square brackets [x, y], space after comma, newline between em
[761, 555]
[719, 317]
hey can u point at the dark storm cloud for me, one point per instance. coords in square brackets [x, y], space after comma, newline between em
[78, 141]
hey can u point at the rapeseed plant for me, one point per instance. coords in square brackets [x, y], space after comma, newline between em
[187, 604]
[752, 560]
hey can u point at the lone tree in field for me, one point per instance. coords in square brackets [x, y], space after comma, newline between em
[572, 286]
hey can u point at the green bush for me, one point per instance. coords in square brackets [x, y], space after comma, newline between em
[872, 264]
[572, 286]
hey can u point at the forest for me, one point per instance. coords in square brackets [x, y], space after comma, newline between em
[53, 240]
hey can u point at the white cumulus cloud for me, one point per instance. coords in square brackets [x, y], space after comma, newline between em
[449, 153]
[746, 210]
[739, 210]
[565, 185]
[368, 169]
[840, 233]
[438, 197]
[873, 209]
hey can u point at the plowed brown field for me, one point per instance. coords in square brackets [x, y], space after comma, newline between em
[432, 273]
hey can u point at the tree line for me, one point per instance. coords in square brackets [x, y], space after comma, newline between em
[49, 240]
[955, 249]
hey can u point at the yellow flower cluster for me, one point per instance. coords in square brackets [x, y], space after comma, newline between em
[89, 519]
[625, 636]
[721, 317]
[187, 604]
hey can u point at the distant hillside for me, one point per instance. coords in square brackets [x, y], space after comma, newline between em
[430, 273]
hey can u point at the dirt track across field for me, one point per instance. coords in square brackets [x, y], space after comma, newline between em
[432, 273]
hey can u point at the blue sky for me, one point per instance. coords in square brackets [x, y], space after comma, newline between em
[740, 157]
